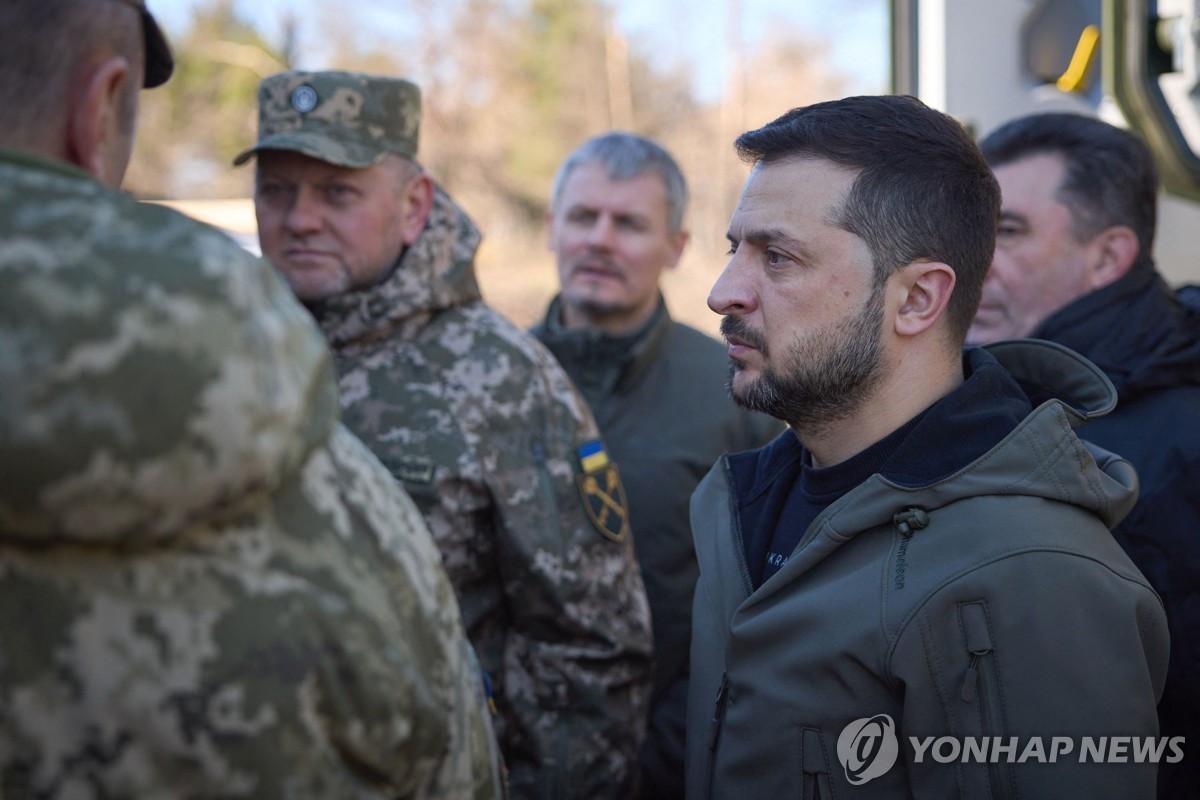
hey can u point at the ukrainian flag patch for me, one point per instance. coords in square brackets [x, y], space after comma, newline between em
[592, 457]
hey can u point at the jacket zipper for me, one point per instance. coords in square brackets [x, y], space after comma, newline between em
[816, 768]
[714, 736]
[980, 685]
[739, 541]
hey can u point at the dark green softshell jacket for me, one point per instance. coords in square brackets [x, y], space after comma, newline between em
[993, 602]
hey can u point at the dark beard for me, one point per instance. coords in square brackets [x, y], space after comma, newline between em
[823, 377]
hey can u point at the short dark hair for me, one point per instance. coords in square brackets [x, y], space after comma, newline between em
[923, 190]
[1110, 176]
[43, 44]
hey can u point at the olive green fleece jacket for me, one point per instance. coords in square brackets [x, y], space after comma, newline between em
[991, 601]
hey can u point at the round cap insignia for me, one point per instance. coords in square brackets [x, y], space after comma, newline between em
[304, 98]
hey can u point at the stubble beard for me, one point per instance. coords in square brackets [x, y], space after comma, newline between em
[823, 377]
[597, 308]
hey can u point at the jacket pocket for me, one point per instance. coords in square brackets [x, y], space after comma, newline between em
[981, 688]
[814, 760]
[714, 736]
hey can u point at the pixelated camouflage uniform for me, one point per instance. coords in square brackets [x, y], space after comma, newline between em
[482, 425]
[208, 588]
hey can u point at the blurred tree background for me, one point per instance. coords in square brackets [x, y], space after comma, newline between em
[509, 89]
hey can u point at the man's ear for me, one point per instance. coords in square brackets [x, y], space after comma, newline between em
[415, 206]
[927, 287]
[94, 120]
[1111, 253]
[679, 241]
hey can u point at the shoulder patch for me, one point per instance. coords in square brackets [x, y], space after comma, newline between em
[602, 493]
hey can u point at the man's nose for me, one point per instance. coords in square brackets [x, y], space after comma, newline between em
[303, 213]
[733, 294]
[600, 236]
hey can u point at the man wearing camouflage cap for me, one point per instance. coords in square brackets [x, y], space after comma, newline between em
[473, 416]
[208, 587]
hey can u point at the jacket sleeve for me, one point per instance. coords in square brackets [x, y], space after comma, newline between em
[1048, 651]
[410, 711]
[577, 665]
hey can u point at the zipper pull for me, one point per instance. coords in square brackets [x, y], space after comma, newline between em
[719, 712]
[978, 644]
[971, 681]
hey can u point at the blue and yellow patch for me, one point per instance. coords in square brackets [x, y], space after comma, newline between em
[592, 456]
[601, 491]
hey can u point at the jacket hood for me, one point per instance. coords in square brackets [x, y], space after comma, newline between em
[1040, 456]
[1137, 330]
[436, 272]
[153, 375]
[1008, 429]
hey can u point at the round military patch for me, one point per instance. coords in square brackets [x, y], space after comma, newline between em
[304, 98]
[604, 501]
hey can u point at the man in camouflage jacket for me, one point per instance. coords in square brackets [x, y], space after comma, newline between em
[473, 416]
[208, 587]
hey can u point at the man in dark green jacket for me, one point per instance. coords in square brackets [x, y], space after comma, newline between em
[656, 387]
[916, 594]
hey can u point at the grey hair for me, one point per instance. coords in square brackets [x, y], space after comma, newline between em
[625, 156]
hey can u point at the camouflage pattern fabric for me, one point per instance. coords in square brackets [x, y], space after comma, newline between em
[351, 119]
[483, 428]
[208, 587]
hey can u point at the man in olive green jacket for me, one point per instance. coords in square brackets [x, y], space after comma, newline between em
[917, 594]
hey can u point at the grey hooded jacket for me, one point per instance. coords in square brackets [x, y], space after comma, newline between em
[990, 602]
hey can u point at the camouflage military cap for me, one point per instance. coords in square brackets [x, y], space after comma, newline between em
[346, 118]
[160, 63]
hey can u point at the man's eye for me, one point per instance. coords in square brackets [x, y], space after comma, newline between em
[775, 258]
[273, 191]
